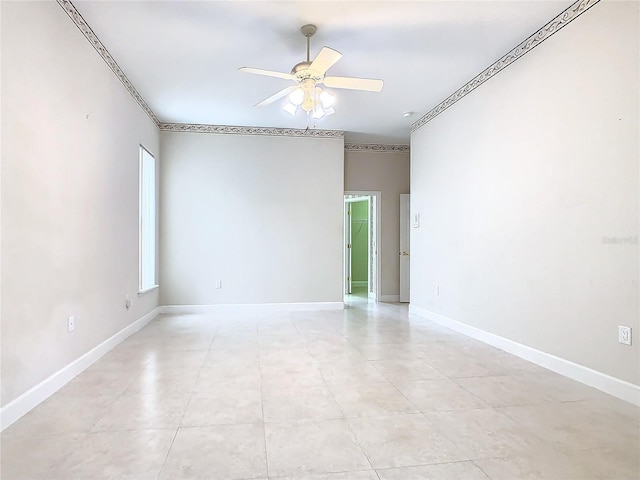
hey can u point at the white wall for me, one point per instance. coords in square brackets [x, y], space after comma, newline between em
[262, 214]
[388, 173]
[518, 183]
[70, 138]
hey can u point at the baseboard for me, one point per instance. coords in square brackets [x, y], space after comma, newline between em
[251, 307]
[389, 298]
[38, 394]
[613, 386]
[359, 283]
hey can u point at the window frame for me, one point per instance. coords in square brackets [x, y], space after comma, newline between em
[147, 222]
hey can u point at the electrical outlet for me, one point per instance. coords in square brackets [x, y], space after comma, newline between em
[71, 323]
[219, 284]
[624, 335]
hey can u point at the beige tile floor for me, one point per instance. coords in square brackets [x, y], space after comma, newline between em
[367, 393]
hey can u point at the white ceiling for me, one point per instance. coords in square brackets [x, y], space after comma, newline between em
[183, 56]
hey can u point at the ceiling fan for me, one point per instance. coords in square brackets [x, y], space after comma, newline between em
[308, 75]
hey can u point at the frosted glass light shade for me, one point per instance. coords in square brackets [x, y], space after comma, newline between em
[327, 99]
[297, 96]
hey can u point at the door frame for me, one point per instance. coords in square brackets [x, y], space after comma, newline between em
[405, 248]
[373, 255]
[346, 249]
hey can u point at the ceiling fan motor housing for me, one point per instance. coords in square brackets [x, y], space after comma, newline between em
[301, 72]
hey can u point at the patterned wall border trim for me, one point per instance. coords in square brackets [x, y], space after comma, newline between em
[571, 13]
[376, 148]
[233, 130]
[84, 27]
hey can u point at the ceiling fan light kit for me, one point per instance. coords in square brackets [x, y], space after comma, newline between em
[312, 100]
[306, 94]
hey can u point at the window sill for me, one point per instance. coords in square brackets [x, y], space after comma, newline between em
[147, 290]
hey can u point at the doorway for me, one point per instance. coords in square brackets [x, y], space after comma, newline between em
[361, 245]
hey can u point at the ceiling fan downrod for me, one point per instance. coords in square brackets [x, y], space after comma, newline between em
[308, 31]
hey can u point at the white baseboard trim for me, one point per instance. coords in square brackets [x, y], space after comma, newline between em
[613, 386]
[359, 283]
[389, 298]
[251, 307]
[38, 394]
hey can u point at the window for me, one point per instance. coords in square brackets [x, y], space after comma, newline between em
[147, 232]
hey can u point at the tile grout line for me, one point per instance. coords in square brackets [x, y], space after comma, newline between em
[481, 469]
[186, 408]
[166, 457]
[264, 423]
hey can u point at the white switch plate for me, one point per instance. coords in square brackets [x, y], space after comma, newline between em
[71, 323]
[219, 284]
[624, 335]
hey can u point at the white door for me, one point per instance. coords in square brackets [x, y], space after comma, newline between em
[347, 248]
[405, 211]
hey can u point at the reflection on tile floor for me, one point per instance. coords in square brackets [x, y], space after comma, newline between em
[367, 393]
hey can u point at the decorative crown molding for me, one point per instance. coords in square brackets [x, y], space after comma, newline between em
[376, 148]
[75, 16]
[238, 130]
[570, 14]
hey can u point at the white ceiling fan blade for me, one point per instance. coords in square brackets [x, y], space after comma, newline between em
[325, 60]
[276, 96]
[367, 84]
[268, 73]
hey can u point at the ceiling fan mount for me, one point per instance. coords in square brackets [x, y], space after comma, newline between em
[308, 30]
[308, 74]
